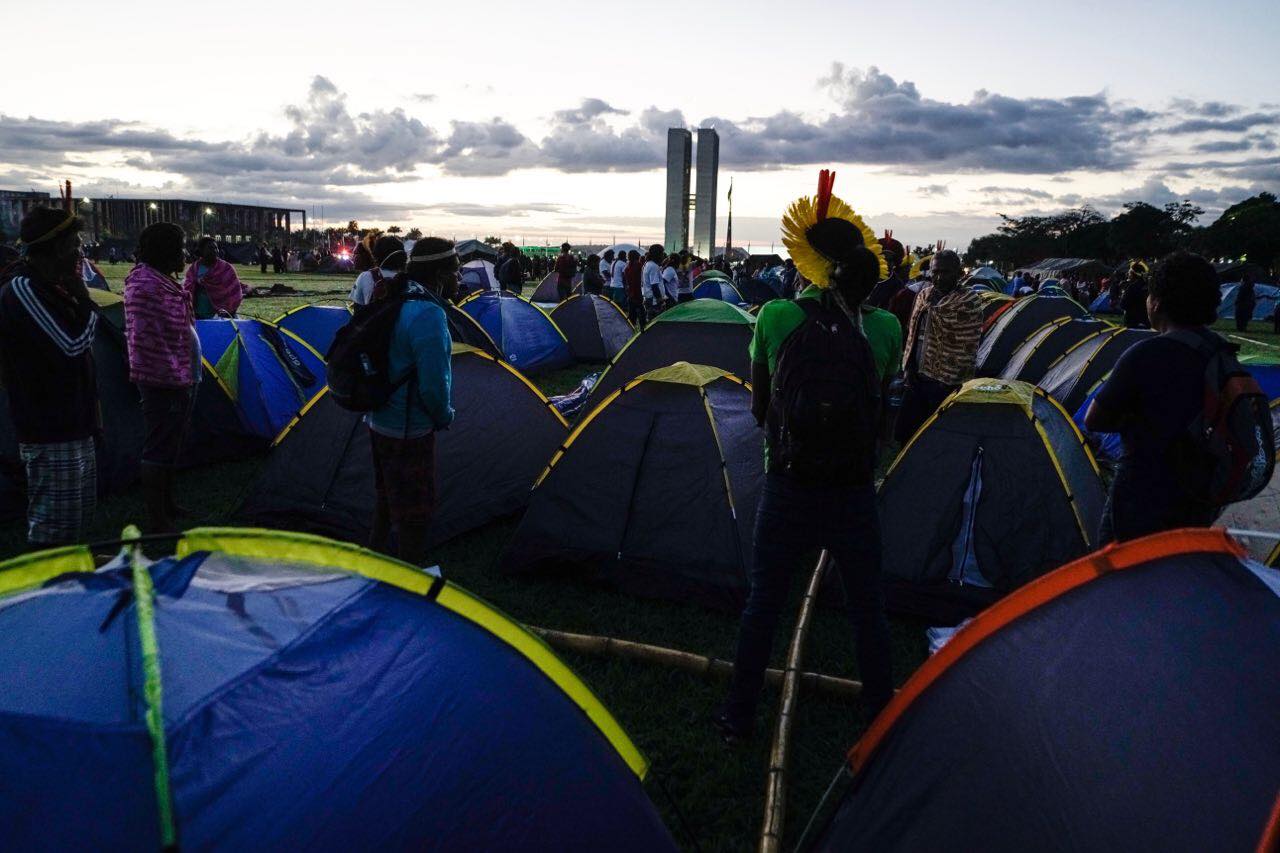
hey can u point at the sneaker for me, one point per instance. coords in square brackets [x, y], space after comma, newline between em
[731, 732]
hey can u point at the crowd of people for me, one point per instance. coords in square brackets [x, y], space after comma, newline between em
[824, 357]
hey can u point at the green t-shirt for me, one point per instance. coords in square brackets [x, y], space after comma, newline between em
[779, 318]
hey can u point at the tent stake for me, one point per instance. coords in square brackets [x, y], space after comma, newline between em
[586, 644]
[775, 793]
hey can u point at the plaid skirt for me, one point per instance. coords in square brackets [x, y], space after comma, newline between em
[62, 490]
[404, 474]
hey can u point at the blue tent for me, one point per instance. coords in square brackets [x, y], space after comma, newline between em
[315, 325]
[1263, 309]
[478, 275]
[718, 288]
[524, 333]
[266, 373]
[1102, 305]
[289, 692]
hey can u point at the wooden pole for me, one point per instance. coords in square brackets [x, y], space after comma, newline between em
[775, 793]
[698, 664]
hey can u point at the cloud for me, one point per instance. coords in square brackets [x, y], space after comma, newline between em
[1025, 192]
[1239, 124]
[588, 110]
[423, 97]
[496, 210]
[933, 191]
[1205, 109]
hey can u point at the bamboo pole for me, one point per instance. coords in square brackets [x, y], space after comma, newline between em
[775, 794]
[698, 664]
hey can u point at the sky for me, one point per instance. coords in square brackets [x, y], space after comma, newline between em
[545, 122]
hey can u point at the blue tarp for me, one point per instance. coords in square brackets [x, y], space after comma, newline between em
[1263, 309]
[302, 711]
[270, 377]
[524, 333]
[315, 324]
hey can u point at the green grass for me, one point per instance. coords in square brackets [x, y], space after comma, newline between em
[719, 791]
[1258, 341]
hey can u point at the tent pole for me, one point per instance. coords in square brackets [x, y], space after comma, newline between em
[586, 644]
[775, 793]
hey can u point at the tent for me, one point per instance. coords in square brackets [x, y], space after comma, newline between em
[122, 427]
[1263, 309]
[256, 380]
[1031, 360]
[1234, 271]
[472, 250]
[315, 325]
[1079, 370]
[285, 691]
[319, 476]
[524, 333]
[704, 331]
[993, 303]
[476, 276]
[92, 276]
[1008, 329]
[716, 288]
[757, 291]
[1117, 704]
[595, 328]
[1102, 304]
[707, 275]
[654, 492]
[993, 491]
[989, 276]
[548, 290]
[1059, 267]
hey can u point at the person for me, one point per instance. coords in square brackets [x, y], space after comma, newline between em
[1151, 397]
[263, 258]
[164, 361]
[592, 280]
[403, 430]
[1133, 304]
[632, 278]
[942, 343]
[827, 500]
[651, 277]
[566, 269]
[510, 274]
[788, 279]
[671, 279]
[1018, 283]
[606, 268]
[277, 260]
[618, 280]
[1246, 301]
[47, 329]
[214, 282]
[112, 256]
[388, 259]
[885, 290]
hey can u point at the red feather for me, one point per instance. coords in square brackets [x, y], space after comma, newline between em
[826, 180]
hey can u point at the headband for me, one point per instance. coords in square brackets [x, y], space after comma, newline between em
[52, 232]
[438, 256]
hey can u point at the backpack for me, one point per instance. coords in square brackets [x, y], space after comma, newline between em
[357, 365]
[1231, 441]
[824, 410]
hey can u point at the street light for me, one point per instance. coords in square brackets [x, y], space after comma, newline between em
[208, 211]
[153, 207]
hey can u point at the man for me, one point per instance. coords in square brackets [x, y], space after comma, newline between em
[47, 328]
[566, 269]
[818, 492]
[606, 269]
[651, 277]
[788, 279]
[1153, 394]
[112, 256]
[671, 279]
[1134, 302]
[885, 290]
[1246, 301]
[510, 274]
[402, 431]
[388, 260]
[618, 277]
[632, 278]
[942, 343]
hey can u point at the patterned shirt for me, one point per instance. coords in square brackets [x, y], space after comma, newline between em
[944, 334]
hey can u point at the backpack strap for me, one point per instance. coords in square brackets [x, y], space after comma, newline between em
[1203, 341]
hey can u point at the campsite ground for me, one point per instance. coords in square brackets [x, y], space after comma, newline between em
[719, 791]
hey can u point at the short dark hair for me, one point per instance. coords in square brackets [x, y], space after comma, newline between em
[159, 241]
[385, 246]
[1187, 287]
[205, 241]
[633, 255]
[39, 222]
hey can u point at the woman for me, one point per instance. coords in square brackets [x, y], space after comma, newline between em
[592, 281]
[164, 359]
[214, 282]
[632, 277]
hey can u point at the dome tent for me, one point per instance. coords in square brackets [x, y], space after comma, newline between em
[704, 331]
[595, 328]
[757, 291]
[1079, 371]
[548, 290]
[523, 332]
[1031, 360]
[654, 492]
[1114, 704]
[1265, 299]
[316, 325]
[718, 288]
[1019, 321]
[256, 380]
[319, 477]
[476, 276]
[993, 491]
[288, 691]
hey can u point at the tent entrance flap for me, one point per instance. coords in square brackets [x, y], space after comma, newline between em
[964, 558]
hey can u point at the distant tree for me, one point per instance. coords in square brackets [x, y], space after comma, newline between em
[1142, 231]
[394, 229]
[492, 241]
[414, 234]
[1250, 229]
[353, 227]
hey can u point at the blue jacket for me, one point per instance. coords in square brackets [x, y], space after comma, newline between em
[421, 340]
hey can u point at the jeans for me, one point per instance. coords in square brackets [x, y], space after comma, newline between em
[791, 520]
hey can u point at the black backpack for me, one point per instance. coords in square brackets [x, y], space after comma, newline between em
[357, 363]
[824, 410]
[1231, 449]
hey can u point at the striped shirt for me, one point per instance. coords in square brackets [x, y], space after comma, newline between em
[944, 334]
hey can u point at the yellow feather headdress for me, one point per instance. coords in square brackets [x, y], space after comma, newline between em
[806, 212]
[921, 264]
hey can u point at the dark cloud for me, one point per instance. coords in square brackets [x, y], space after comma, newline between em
[1024, 192]
[1205, 109]
[493, 147]
[588, 110]
[1239, 124]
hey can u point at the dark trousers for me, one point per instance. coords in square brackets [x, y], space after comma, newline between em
[792, 520]
[1136, 508]
[1243, 316]
[920, 400]
[636, 313]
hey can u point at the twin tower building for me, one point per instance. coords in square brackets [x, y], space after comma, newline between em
[679, 163]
